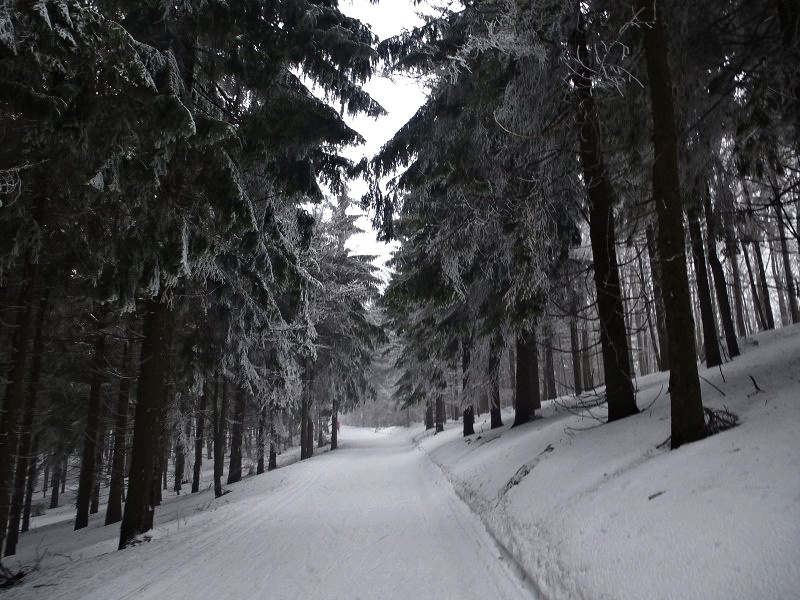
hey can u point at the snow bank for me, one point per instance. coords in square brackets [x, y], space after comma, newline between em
[602, 511]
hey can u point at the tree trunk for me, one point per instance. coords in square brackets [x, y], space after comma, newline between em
[117, 484]
[220, 416]
[199, 433]
[586, 359]
[260, 444]
[335, 424]
[235, 467]
[272, 463]
[137, 517]
[87, 474]
[658, 298]
[439, 423]
[94, 506]
[766, 303]
[549, 367]
[527, 385]
[613, 336]
[31, 482]
[719, 279]
[710, 340]
[761, 320]
[787, 266]
[575, 349]
[56, 481]
[688, 423]
[428, 416]
[25, 455]
[15, 388]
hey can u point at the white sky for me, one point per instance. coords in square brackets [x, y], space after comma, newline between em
[401, 97]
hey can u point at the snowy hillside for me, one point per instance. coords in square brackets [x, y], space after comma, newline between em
[579, 509]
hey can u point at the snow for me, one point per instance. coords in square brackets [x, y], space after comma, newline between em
[602, 512]
[563, 507]
[374, 519]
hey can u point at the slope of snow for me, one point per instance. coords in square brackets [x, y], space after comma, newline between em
[579, 509]
[601, 511]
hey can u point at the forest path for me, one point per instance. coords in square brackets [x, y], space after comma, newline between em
[375, 519]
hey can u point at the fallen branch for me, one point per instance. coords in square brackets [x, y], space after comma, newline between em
[718, 420]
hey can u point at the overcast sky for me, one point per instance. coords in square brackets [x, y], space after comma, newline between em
[400, 97]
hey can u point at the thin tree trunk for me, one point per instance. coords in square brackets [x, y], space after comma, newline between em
[87, 474]
[260, 443]
[658, 298]
[117, 484]
[220, 416]
[94, 506]
[272, 463]
[688, 423]
[56, 481]
[137, 517]
[613, 336]
[198, 440]
[527, 384]
[787, 267]
[575, 348]
[235, 467]
[15, 388]
[25, 455]
[30, 484]
[761, 320]
[719, 279]
[766, 303]
[439, 422]
[335, 423]
[549, 367]
[710, 340]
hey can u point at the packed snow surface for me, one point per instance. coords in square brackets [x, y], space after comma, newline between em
[563, 508]
[375, 519]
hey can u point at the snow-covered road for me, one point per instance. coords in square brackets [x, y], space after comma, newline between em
[375, 519]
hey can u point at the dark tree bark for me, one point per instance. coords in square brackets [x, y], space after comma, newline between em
[787, 265]
[586, 359]
[180, 446]
[719, 279]
[272, 463]
[601, 197]
[527, 385]
[658, 298]
[335, 424]
[710, 340]
[575, 350]
[428, 416]
[235, 466]
[137, 517]
[55, 481]
[25, 454]
[309, 436]
[220, 416]
[439, 423]
[117, 484]
[469, 421]
[688, 423]
[199, 433]
[94, 505]
[549, 366]
[766, 304]
[30, 484]
[761, 320]
[495, 354]
[260, 435]
[15, 388]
